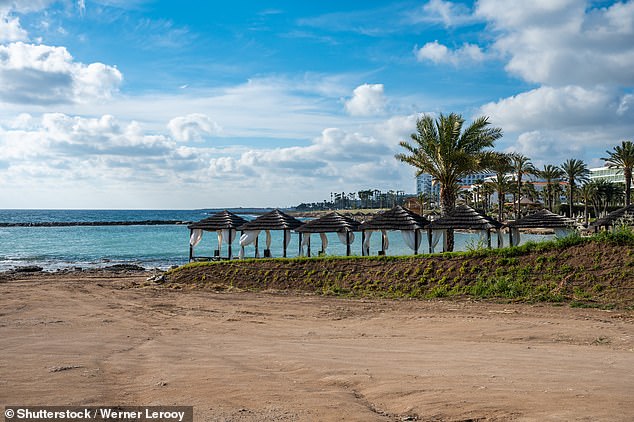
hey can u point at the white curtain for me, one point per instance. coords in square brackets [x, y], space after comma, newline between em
[435, 238]
[288, 238]
[343, 239]
[515, 233]
[268, 239]
[412, 242]
[305, 242]
[196, 237]
[366, 242]
[324, 242]
[563, 231]
[246, 239]
[219, 233]
[385, 239]
[229, 235]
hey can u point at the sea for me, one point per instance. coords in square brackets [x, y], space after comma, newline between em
[154, 246]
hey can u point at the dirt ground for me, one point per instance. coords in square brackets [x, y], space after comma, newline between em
[89, 339]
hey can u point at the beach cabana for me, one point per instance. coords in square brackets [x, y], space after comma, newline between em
[542, 219]
[409, 223]
[466, 218]
[329, 223]
[274, 220]
[624, 215]
[224, 223]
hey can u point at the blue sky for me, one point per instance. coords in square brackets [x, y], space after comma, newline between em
[162, 104]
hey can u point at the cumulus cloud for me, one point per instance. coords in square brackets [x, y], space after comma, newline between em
[367, 100]
[439, 53]
[40, 74]
[552, 123]
[105, 151]
[192, 127]
[560, 42]
[555, 107]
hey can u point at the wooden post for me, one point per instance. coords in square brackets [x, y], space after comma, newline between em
[416, 242]
[383, 243]
[299, 251]
[347, 243]
[489, 238]
[284, 243]
[256, 245]
[191, 248]
[308, 252]
[230, 244]
[429, 236]
[362, 242]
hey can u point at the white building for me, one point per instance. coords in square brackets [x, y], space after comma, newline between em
[607, 174]
[425, 185]
[424, 182]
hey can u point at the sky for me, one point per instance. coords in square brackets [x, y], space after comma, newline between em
[141, 104]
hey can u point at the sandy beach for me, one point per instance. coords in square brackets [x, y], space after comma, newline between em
[98, 339]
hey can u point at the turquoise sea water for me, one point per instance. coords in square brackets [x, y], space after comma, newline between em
[149, 246]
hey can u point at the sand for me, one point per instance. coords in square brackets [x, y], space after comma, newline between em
[90, 339]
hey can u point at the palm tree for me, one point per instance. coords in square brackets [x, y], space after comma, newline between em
[443, 149]
[622, 156]
[551, 174]
[521, 165]
[574, 171]
[501, 166]
[588, 193]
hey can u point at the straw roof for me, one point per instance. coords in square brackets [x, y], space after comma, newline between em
[219, 221]
[274, 220]
[542, 219]
[465, 217]
[397, 218]
[625, 213]
[332, 222]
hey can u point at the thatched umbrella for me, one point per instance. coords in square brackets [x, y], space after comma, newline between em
[224, 223]
[625, 214]
[542, 219]
[329, 223]
[274, 220]
[397, 218]
[466, 218]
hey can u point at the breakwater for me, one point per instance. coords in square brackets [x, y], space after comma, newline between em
[94, 223]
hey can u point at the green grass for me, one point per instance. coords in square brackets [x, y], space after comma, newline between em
[481, 273]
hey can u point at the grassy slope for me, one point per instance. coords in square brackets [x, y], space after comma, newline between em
[597, 271]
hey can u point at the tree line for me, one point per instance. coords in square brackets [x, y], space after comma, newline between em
[369, 198]
[448, 152]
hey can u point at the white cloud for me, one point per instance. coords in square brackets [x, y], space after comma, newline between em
[10, 29]
[551, 124]
[448, 13]
[367, 100]
[24, 6]
[78, 153]
[192, 127]
[556, 107]
[40, 74]
[439, 53]
[559, 42]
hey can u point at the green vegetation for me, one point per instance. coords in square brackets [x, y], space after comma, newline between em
[585, 272]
